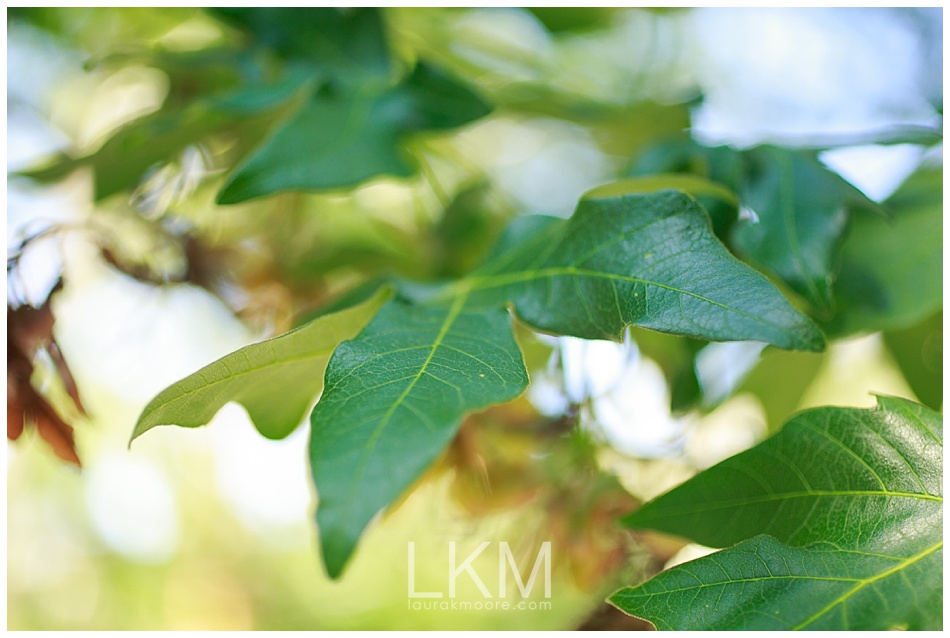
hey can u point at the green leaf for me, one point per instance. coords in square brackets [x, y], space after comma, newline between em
[349, 44]
[721, 164]
[692, 184]
[892, 269]
[571, 19]
[276, 380]
[854, 501]
[396, 394]
[648, 260]
[796, 209]
[468, 228]
[122, 161]
[394, 399]
[801, 210]
[254, 98]
[764, 585]
[719, 201]
[780, 380]
[343, 137]
[918, 352]
[824, 468]
[717, 164]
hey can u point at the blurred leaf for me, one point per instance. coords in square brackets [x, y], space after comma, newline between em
[801, 209]
[124, 158]
[721, 164]
[275, 380]
[347, 44]
[101, 31]
[636, 260]
[30, 330]
[466, 231]
[394, 399]
[122, 161]
[26, 406]
[891, 273]
[918, 352]
[622, 130]
[568, 19]
[352, 297]
[255, 98]
[694, 185]
[342, 138]
[676, 357]
[779, 382]
[860, 490]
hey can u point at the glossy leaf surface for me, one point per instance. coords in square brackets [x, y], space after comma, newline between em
[648, 260]
[394, 398]
[852, 503]
[764, 585]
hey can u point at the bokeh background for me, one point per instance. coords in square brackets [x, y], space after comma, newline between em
[212, 528]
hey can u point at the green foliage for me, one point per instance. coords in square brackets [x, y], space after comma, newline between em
[352, 125]
[625, 260]
[918, 352]
[802, 212]
[394, 399]
[891, 268]
[348, 45]
[376, 430]
[298, 109]
[795, 209]
[122, 161]
[764, 585]
[256, 377]
[853, 502]
[343, 137]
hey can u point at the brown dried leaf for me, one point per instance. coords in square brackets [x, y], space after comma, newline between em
[25, 405]
[30, 330]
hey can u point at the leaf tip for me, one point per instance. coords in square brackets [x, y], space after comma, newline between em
[618, 600]
[337, 548]
[141, 427]
[227, 195]
[807, 336]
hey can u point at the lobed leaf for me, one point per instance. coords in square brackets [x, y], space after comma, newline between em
[648, 260]
[394, 399]
[396, 393]
[795, 209]
[276, 380]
